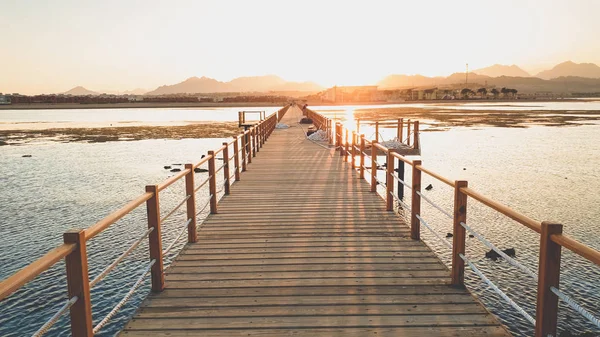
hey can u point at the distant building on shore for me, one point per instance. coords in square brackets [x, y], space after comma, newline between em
[4, 99]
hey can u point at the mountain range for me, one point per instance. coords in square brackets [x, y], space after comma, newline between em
[566, 76]
[241, 84]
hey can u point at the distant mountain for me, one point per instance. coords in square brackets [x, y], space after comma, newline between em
[80, 91]
[565, 69]
[498, 70]
[242, 84]
[405, 81]
[522, 84]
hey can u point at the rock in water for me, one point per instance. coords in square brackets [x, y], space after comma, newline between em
[449, 235]
[27, 156]
[495, 256]
[202, 157]
[167, 167]
[200, 170]
[429, 187]
[176, 170]
[492, 255]
[510, 252]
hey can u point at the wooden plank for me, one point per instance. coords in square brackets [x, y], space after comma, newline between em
[310, 321]
[339, 281]
[456, 331]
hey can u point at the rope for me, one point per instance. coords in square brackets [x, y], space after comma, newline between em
[204, 183]
[445, 242]
[166, 251]
[68, 304]
[401, 181]
[119, 259]
[400, 201]
[175, 209]
[576, 306]
[509, 259]
[498, 291]
[206, 205]
[125, 299]
[219, 169]
[436, 206]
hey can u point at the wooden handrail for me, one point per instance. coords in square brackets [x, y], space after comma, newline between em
[435, 175]
[202, 161]
[29, 272]
[219, 150]
[509, 212]
[110, 219]
[401, 157]
[577, 247]
[173, 179]
[381, 147]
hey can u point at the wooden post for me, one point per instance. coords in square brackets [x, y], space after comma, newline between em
[191, 203]
[362, 157]
[251, 152]
[549, 276]
[212, 182]
[78, 284]
[236, 158]
[155, 239]
[377, 131]
[389, 182]
[459, 233]
[226, 168]
[256, 139]
[358, 126]
[415, 225]
[244, 148]
[347, 147]
[353, 149]
[400, 171]
[408, 132]
[373, 166]
[416, 135]
[400, 129]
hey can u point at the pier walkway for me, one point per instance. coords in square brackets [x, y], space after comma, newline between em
[302, 247]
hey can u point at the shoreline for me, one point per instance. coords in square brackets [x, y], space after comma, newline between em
[154, 105]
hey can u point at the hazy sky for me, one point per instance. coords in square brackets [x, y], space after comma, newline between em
[51, 46]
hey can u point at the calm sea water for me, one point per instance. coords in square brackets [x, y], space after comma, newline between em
[548, 173]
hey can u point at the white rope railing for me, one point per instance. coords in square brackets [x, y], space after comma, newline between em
[445, 242]
[204, 183]
[219, 169]
[120, 258]
[497, 290]
[435, 205]
[187, 197]
[125, 298]
[571, 302]
[401, 181]
[166, 251]
[509, 259]
[402, 203]
[205, 205]
[49, 323]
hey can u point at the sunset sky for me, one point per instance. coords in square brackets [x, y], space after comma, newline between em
[52, 46]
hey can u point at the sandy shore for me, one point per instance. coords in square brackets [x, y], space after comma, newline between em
[111, 134]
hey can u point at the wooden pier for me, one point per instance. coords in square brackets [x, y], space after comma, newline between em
[302, 244]
[302, 247]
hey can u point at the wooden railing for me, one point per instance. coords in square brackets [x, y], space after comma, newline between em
[243, 147]
[552, 239]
